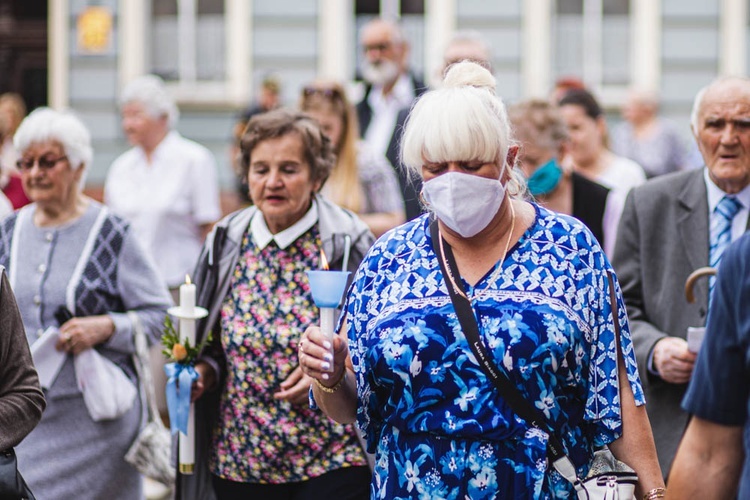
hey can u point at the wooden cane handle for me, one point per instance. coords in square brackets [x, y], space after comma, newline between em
[690, 282]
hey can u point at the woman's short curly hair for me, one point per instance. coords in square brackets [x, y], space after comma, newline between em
[318, 150]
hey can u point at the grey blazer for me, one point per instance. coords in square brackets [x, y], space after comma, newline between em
[663, 236]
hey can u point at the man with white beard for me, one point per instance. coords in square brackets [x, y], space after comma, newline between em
[389, 93]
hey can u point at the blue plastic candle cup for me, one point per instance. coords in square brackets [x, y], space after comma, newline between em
[327, 287]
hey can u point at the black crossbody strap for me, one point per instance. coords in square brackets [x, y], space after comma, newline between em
[520, 405]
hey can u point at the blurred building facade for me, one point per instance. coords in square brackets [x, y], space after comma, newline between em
[214, 53]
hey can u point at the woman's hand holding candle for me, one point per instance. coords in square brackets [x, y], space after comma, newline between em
[315, 356]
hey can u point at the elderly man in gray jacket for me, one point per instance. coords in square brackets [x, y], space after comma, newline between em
[670, 227]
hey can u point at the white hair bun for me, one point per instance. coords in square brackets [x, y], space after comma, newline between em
[469, 74]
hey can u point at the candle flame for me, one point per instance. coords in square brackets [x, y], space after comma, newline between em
[187, 279]
[323, 260]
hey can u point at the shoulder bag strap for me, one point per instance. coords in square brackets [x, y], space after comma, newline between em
[142, 368]
[513, 397]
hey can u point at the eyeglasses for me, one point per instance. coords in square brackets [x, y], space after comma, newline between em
[45, 163]
[327, 93]
[379, 47]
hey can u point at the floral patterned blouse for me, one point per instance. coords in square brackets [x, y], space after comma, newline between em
[259, 439]
[435, 421]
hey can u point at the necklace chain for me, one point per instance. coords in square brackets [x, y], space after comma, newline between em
[497, 272]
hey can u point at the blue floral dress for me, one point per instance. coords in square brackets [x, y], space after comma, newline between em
[434, 420]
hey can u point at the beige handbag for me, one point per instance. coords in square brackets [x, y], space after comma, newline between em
[151, 452]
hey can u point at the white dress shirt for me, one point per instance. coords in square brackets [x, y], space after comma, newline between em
[385, 112]
[622, 175]
[715, 194]
[166, 201]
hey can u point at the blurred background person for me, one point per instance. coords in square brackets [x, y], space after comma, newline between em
[257, 436]
[564, 85]
[12, 111]
[67, 251]
[645, 138]
[588, 153]
[166, 187]
[467, 46]
[389, 92]
[269, 98]
[361, 180]
[541, 133]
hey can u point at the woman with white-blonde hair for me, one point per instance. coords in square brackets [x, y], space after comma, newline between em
[536, 287]
[77, 272]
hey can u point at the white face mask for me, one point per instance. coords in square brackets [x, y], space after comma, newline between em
[465, 203]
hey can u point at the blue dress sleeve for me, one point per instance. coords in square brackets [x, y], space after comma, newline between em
[603, 399]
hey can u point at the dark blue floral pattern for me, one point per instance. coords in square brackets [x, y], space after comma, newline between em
[434, 420]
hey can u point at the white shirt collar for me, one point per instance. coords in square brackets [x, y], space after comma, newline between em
[401, 95]
[262, 235]
[715, 194]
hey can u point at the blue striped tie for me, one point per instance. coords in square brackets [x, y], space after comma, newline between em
[721, 231]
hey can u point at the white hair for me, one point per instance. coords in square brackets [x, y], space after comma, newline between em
[151, 93]
[48, 125]
[698, 102]
[396, 31]
[480, 52]
[463, 120]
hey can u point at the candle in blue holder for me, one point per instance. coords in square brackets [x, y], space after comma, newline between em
[327, 288]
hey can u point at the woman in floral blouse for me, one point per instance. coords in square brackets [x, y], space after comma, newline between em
[538, 285]
[261, 439]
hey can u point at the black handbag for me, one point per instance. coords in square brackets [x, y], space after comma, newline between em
[12, 485]
[608, 478]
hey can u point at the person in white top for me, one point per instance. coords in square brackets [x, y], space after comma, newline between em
[166, 186]
[589, 153]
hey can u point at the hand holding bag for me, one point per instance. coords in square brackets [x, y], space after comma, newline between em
[608, 478]
[12, 485]
[151, 452]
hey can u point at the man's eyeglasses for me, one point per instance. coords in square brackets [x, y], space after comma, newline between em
[45, 163]
[378, 47]
[327, 93]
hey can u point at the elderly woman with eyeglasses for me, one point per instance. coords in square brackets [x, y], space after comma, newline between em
[76, 268]
[257, 436]
[362, 181]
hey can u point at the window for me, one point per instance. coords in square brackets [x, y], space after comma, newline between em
[591, 40]
[177, 27]
[200, 47]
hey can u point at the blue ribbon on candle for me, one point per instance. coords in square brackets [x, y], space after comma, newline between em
[180, 379]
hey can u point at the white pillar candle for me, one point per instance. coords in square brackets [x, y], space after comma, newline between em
[187, 445]
[187, 333]
[326, 326]
[187, 308]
